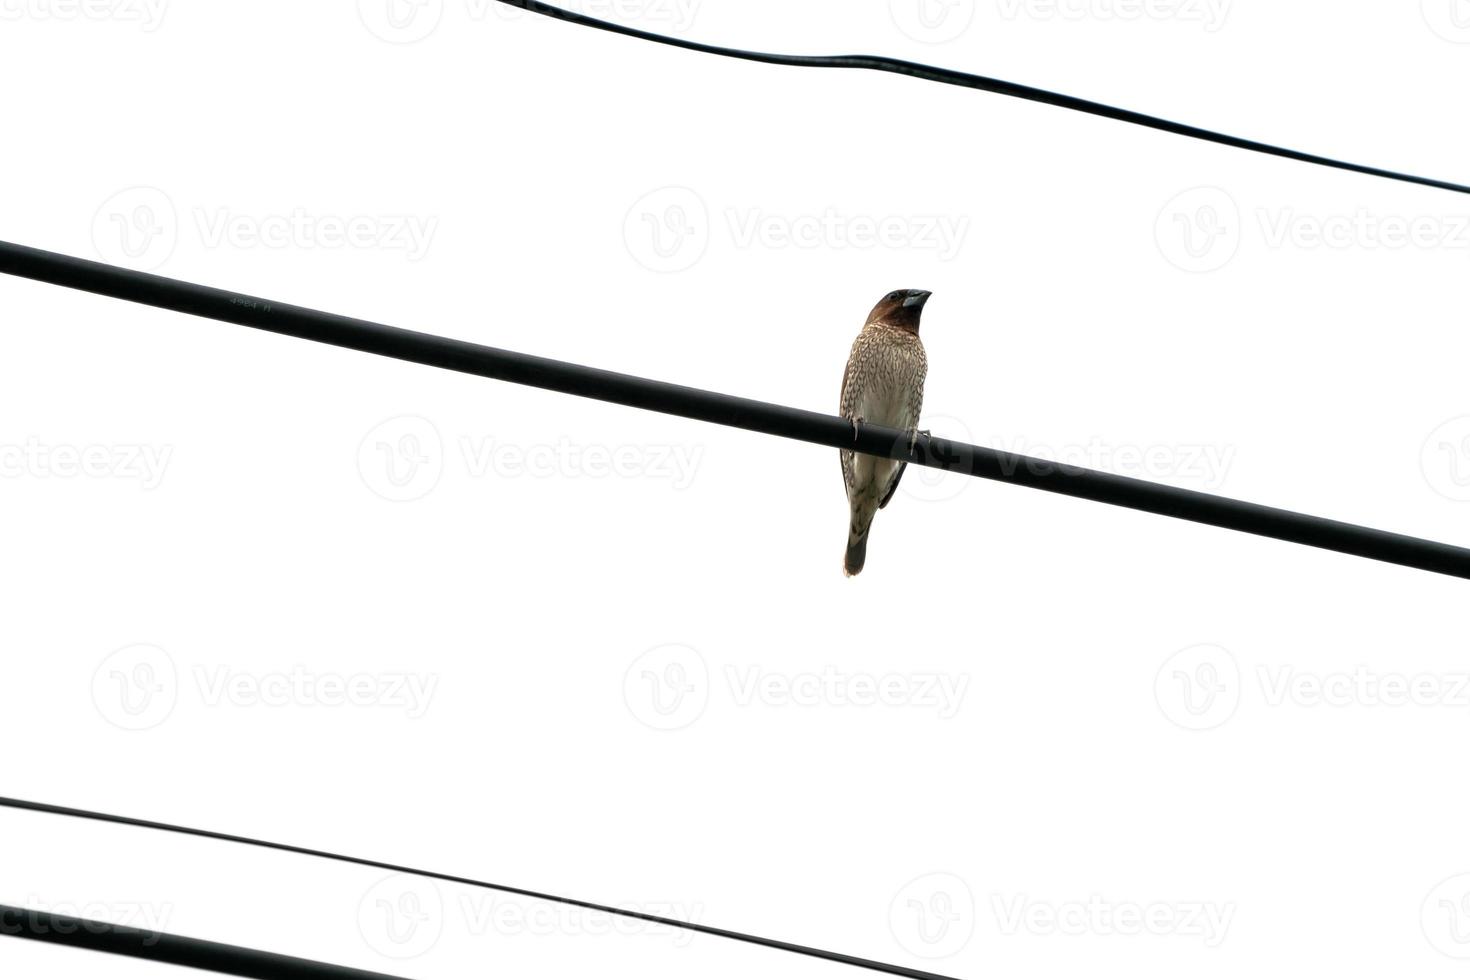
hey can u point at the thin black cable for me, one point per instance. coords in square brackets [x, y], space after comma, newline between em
[743, 413]
[950, 76]
[776, 944]
[200, 954]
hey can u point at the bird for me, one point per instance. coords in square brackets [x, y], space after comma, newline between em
[882, 385]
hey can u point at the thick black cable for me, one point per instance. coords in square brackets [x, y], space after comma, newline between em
[950, 76]
[776, 944]
[743, 413]
[200, 954]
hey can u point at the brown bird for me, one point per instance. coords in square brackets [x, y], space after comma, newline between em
[883, 385]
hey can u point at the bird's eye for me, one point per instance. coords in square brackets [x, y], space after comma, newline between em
[893, 297]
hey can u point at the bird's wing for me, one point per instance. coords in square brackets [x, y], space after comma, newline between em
[845, 455]
[893, 484]
[917, 408]
[897, 475]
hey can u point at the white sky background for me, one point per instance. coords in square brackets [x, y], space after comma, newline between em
[1323, 378]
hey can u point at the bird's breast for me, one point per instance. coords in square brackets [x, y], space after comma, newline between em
[890, 382]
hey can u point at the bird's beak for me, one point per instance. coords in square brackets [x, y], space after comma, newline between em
[917, 298]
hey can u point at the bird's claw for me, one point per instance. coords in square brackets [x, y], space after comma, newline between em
[914, 439]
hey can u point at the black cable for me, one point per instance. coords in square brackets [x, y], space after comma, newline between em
[776, 944]
[200, 954]
[742, 413]
[949, 76]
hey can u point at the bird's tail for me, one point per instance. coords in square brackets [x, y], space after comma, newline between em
[857, 547]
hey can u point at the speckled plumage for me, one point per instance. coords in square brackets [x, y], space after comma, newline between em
[883, 385]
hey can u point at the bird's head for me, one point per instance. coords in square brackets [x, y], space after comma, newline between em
[901, 308]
